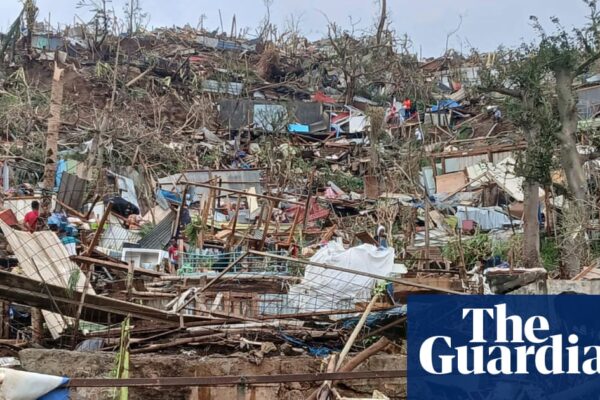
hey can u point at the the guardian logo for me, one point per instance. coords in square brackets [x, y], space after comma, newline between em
[503, 347]
[531, 347]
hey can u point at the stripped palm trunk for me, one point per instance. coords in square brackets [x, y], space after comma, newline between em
[56, 99]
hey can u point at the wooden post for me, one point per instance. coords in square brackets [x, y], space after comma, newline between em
[37, 332]
[216, 194]
[130, 281]
[266, 226]
[348, 345]
[180, 251]
[56, 99]
[89, 213]
[88, 269]
[179, 212]
[293, 228]
[308, 199]
[4, 327]
[231, 238]
[99, 230]
[549, 212]
[427, 232]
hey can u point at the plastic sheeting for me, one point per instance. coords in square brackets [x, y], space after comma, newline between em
[22, 385]
[325, 289]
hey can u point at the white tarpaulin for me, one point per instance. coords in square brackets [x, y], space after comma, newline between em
[23, 385]
[325, 289]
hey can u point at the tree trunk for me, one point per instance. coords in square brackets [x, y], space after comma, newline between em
[56, 98]
[531, 226]
[382, 19]
[574, 243]
[349, 89]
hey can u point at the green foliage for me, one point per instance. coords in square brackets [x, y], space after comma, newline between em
[481, 247]
[549, 253]
[476, 248]
[146, 229]
[347, 182]
[73, 281]
[193, 229]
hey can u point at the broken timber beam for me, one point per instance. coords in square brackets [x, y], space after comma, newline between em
[207, 381]
[99, 230]
[367, 274]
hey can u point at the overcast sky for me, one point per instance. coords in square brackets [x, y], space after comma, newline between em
[485, 23]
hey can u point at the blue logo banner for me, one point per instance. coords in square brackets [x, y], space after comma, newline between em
[504, 347]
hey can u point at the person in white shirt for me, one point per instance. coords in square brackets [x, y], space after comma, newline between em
[419, 135]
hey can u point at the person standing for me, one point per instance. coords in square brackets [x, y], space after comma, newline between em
[407, 108]
[173, 251]
[32, 217]
[497, 115]
[381, 237]
[419, 135]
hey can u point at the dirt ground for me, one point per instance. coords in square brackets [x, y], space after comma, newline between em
[95, 365]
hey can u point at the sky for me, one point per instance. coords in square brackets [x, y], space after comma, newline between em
[486, 24]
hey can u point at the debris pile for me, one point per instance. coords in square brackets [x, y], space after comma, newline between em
[178, 191]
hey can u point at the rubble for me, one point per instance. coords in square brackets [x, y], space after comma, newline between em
[250, 198]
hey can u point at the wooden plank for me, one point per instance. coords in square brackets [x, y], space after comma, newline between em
[23, 290]
[449, 183]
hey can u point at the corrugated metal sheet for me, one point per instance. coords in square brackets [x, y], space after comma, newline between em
[115, 235]
[159, 237]
[42, 257]
[497, 157]
[71, 191]
[46, 42]
[460, 163]
[238, 113]
[236, 179]
[232, 88]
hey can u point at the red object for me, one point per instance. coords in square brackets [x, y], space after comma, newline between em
[31, 219]
[339, 116]
[321, 97]
[173, 253]
[407, 104]
[9, 217]
[468, 226]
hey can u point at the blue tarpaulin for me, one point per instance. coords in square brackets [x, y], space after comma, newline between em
[376, 318]
[320, 351]
[298, 128]
[445, 105]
